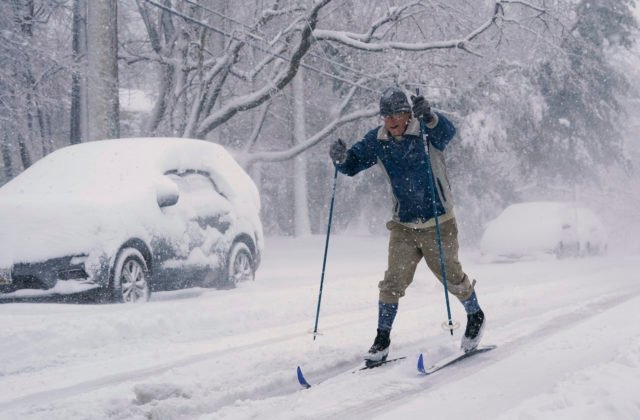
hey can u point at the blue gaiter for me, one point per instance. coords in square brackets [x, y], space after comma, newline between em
[471, 305]
[386, 315]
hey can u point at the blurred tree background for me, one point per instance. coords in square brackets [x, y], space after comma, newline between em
[542, 92]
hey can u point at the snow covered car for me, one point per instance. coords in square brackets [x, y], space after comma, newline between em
[127, 217]
[536, 229]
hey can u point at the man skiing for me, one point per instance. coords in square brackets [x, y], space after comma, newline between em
[408, 161]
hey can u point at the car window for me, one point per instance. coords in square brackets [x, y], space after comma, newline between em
[185, 172]
[198, 195]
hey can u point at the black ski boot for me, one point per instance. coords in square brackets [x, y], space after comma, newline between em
[379, 350]
[473, 332]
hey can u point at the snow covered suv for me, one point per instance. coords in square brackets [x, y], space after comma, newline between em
[543, 229]
[126, 217]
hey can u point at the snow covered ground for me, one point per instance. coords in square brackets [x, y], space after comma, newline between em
[567, 332]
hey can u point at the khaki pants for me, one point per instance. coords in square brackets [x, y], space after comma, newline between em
[408, 246]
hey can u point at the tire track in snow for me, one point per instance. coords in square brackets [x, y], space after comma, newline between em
[134, 375]
[85, 387]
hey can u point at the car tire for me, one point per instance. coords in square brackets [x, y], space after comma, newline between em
[130, 278]
[240, 265]
[559, 251]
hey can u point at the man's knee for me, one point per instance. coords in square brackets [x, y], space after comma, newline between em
[389, 298]
[463, 288]
[393, 286]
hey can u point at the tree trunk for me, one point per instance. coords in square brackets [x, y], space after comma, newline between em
[43, 130]
[25, 156]
[218, 41]
[301, 201]
[6, 159]
[102, 51]
[78, 89]
[24, 11]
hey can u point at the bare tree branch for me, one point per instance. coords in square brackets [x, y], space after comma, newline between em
[247, 160]
[257, 97]
[257, 127]
[362, 41]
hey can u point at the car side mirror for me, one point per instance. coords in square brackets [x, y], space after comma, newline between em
[167, 199]
[167, 193]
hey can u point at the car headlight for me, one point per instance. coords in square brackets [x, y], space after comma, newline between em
[75, 270]
[78, 260]
[5, 276]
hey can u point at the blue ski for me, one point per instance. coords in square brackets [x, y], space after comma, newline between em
[303, 381]
[447, 361]
[372, 365]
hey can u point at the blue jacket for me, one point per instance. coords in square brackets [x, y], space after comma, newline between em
[408, 165]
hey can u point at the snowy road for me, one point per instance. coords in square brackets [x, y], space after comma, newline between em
[567, 331]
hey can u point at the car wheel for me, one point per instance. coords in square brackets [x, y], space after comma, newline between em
[131, 277]
[559, 251]
[593, 249]
[239, 265]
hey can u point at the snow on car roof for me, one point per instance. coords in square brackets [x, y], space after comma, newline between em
[106, 164]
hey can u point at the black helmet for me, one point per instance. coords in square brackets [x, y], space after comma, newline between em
[393, 101]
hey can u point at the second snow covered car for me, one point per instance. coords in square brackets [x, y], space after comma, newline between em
[548, 228]
[129, 216]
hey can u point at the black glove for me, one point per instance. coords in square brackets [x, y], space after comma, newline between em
[421, 108]
[338, 151]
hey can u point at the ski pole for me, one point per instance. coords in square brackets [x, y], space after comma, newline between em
[450, 325]
[326, 248]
